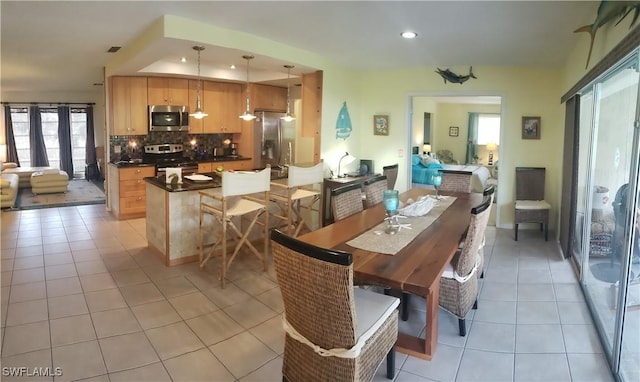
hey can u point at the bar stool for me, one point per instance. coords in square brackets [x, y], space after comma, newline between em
[303, 184]
[233, 200]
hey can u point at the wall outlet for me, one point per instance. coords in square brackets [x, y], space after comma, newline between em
[117, 149]
[400, 153]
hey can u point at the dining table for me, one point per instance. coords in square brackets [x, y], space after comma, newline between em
[416, 268]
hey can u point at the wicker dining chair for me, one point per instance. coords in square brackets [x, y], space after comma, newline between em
[530, 206]
[334, 332]
[301, 193]
[374, 190]
[489, 191]
[459, 282]
[346, 201]
[455, 181]
[391, 172]
[239, 197]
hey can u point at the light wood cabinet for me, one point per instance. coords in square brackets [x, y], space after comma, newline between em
[267, 97]
[223, 102]
[128, 106]
[312, 109]
[196, 126]
[235, 165]
[128, 191]
[168, 91]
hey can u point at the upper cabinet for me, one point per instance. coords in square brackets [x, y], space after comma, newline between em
[128, 106]
[223, 102]
[267, 97]
[168, 91]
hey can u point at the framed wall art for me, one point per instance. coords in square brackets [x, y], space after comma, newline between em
[380, 124]
[530, 127]
[454, 131]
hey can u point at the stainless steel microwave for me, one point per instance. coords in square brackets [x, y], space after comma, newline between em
[168, 118]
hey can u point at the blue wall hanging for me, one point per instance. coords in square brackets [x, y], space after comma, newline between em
[343, 125]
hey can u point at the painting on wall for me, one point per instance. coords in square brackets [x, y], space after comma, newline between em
[454, 131]
[380, 125]
[343, 124]
[530, 127]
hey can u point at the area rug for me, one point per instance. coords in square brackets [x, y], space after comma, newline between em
[81, 192]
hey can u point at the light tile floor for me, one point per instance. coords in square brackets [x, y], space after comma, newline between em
[81, 292]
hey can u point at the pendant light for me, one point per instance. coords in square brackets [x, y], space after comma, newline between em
[288, 117]
[247, 116]
[198, 113]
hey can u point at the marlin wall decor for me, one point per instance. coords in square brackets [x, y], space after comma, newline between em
[607, 12]
[450, 76]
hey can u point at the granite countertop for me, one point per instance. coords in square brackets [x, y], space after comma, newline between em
[137, 163]
[189, 185]
[221, 159]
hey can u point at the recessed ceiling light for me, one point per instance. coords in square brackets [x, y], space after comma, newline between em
[183, 59]
[232, 66]
[409, 35]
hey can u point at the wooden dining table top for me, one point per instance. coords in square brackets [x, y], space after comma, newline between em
[416, 267]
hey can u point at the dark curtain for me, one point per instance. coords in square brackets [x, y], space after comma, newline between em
[36, 140]
[91, 170]
[64, 139]
[12, 152]
[472, 138]
[568, 207]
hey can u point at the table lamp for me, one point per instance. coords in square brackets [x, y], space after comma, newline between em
[348, 158]
[490, 147]
[426, 148]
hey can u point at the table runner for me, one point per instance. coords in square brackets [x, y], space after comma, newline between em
[376, 240]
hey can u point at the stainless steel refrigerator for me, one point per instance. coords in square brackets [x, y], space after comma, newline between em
[274, 139]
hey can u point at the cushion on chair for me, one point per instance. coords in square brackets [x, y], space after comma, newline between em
[372, 309]
[532, 205]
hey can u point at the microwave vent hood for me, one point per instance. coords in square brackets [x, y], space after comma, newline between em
[168, 118]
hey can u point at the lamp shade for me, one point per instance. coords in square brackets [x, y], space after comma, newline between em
[426, 148]
[491, 146]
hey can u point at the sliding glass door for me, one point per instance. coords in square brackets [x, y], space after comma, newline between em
[605, 242]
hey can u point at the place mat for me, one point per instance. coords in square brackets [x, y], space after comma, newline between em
[376, 240]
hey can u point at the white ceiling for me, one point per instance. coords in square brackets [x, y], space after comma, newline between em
[53, 46]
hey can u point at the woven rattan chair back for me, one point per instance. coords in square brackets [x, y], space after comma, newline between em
[346, 201]
[317, 291]
[490, 191]
[374, 190]
[530, 183]
[464, 263]
[456, 181]
[391, 172]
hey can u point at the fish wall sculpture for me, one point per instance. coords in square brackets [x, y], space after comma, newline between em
[607, 12]
[450, 76]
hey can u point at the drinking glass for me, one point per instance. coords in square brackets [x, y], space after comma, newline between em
[391, 201]
[436, 180]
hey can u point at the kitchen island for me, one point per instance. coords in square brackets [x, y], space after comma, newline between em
[173, 215]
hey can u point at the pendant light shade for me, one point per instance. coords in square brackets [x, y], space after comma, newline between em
[288, 117]
[247, 116]
[198, 113]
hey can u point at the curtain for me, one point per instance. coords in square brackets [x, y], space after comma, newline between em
[91, 170]
[12, 152]
[472, 138]
[36, 140]
[64, 139]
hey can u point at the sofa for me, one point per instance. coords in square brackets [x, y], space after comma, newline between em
[24, 173]
[51, 181]
[8, 190]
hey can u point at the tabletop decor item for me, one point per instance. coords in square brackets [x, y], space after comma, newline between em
[436, 180]
[391, 201]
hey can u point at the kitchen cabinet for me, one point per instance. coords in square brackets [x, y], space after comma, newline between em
[236, 165]
[168, 91]
[223, 102]
[128, 106]
[312, 109]
[196, 126]
[127, 190]
[267, 97]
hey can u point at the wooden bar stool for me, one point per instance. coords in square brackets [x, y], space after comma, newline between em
[301, 192]
[237, 197]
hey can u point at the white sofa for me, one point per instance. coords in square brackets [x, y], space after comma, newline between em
[8, 189]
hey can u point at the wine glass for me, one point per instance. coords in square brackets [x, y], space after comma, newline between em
[391, 201]
[436, 180]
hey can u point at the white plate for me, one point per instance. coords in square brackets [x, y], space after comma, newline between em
[198, 178]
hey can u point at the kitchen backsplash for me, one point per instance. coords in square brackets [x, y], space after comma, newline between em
[133, 145]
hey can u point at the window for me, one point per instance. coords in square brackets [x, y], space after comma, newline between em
[49, 116]
[488, 129]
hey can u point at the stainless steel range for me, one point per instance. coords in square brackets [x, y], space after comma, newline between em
[168, 155]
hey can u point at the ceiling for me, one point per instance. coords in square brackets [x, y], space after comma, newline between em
[54, 46]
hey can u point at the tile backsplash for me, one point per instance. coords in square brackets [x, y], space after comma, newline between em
[132, 145]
